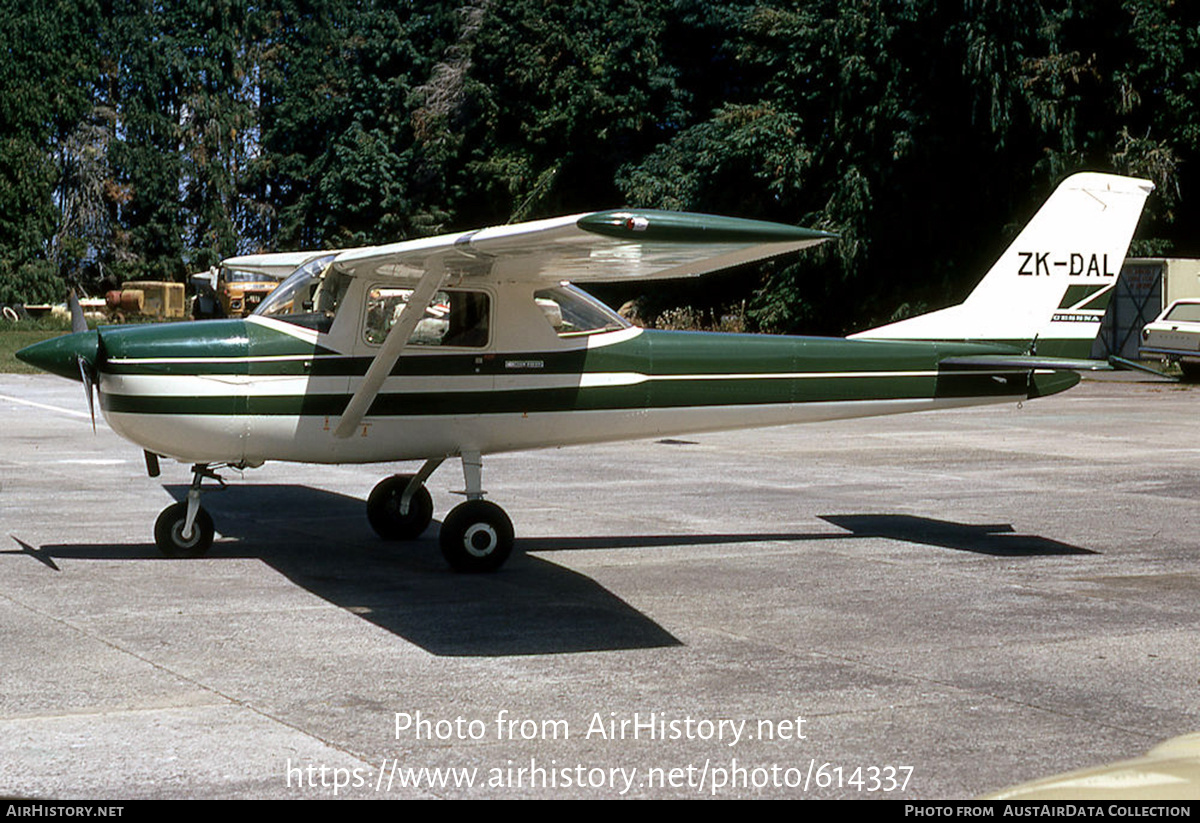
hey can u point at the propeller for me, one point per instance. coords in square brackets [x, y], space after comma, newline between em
[78, 323]
[88, 375]
[87, 370]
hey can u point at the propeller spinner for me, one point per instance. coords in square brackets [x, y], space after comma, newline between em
[76, 355]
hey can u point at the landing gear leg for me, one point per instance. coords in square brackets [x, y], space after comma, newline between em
[185, 529]
[476, 535]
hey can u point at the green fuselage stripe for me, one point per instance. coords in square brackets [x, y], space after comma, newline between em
[650, 394]
[652, 370]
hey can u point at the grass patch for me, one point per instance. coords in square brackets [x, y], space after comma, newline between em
[12, 341]
[18, 335]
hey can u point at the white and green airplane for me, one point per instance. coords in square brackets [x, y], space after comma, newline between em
[470, 344]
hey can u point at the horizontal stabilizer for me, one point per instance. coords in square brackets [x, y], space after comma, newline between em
[1023, 362]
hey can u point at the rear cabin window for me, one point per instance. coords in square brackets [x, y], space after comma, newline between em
[573, 312]
[453, 318]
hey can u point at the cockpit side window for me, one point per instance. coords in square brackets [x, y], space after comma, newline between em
[453, 318]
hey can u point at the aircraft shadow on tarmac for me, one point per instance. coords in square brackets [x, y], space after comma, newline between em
[320, 541]
[1000, 539]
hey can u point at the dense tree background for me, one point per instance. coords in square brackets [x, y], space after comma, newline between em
[142, 138]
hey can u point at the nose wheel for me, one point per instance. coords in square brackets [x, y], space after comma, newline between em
[185, 529]
[173, 537]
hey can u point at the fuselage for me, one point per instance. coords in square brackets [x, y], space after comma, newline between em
[247, 391]
[495, 367]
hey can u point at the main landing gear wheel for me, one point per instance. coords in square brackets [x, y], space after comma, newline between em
[384, 509]
[168, 532]
[476, 536]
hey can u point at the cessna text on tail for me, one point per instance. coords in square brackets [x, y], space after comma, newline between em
[470, 344]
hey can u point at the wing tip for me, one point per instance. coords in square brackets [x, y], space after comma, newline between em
[687, 227]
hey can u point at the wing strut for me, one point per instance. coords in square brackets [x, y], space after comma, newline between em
[392, 348]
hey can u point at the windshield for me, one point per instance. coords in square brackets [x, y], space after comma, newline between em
[244, 276]
[573, 312]
[1186, 312]
[309, 297]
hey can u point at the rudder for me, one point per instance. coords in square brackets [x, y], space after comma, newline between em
[1050, 288]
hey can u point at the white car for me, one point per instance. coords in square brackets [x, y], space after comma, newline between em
[1175, 337]
[1169, 771]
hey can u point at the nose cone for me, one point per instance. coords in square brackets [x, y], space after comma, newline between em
[59, 355]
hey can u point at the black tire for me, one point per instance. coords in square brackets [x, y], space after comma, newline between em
[476, 536]
[168, 532]
[1190, 372]
[383, 509]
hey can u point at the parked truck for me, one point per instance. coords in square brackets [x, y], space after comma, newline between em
[235, 291]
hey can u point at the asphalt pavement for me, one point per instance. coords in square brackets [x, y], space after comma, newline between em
[926, 606]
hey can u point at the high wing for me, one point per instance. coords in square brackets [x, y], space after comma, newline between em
[598, 246]
[637, 244]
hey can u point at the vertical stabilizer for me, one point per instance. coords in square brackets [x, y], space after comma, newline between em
[1053, 283]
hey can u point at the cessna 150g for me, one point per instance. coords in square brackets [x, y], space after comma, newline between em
[469, 344]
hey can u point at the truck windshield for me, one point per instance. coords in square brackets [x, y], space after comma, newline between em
[244, 276]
